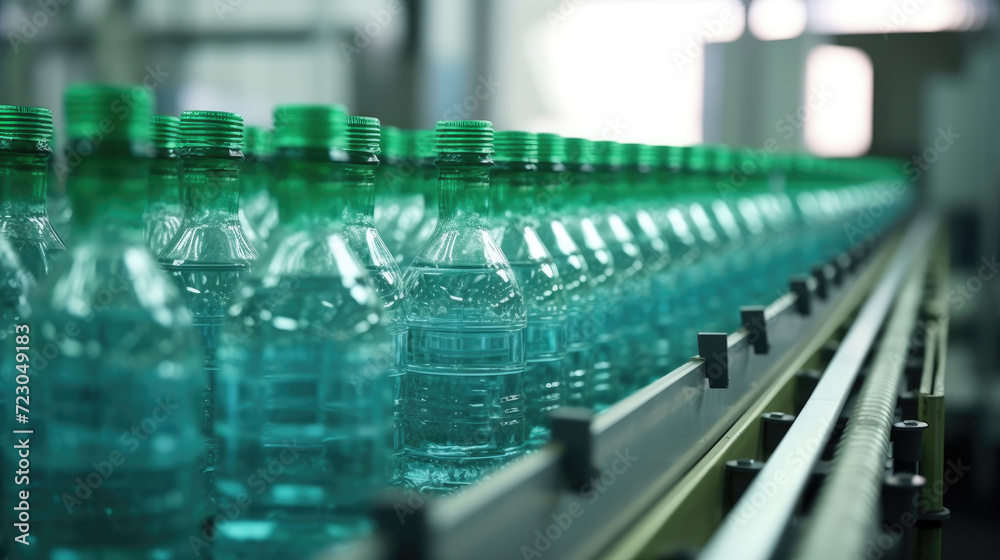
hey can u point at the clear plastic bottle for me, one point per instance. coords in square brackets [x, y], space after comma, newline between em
[515, 229]
[578, 295]
[634, 280]
[25, 136]
[25, 133]
[211, 254]
[164, 210]
[693, 186]
[583, 225]
[361, 142]
[667, 198]
[115, 382]
[24, 172]
[657, 259]
[463, 393]
[303, 394]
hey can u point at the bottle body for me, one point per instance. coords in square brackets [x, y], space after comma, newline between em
[303, 395]
[116, 416]
[463, 392]
[579, 305]
[545, 374]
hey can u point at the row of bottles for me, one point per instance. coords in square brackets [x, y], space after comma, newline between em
[255, 331]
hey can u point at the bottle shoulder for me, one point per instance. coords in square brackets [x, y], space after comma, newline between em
[211, 242]
[35, 229]
[118, 283]
[462, 277]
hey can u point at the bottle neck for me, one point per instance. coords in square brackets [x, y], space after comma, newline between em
[23, 179]
[463, 187]
[359, 192]
[211, 184]
[108, 191]
[164, 183]
[325, 189]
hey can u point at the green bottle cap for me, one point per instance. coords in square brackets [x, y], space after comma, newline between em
[211, 129]
[423, 144]
[109, 112]
[551, 148]
[257, 141]
[362, 135]
[640, 154]
[166, 132]
[610, 153]
[580, 151]
[25, 124]
[393, 143]
[464, 137]
[515, 146]
[696, 158]
[309, 126]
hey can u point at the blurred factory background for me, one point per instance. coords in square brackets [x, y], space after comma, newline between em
[913, 79]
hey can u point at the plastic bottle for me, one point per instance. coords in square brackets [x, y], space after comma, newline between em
[361, 142]
[463, 393]
[578, 295]
[303, 397]
[657, 257]
[115, 383]
[515, 229]
[583, 225]
[211, 254]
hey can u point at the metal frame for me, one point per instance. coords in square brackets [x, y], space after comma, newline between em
[784, 477]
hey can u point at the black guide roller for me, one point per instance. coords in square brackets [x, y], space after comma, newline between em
[907, 445]
[773, 427]
[739, 474]
[899, 511]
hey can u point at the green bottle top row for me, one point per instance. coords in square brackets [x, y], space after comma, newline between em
[101, 113]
